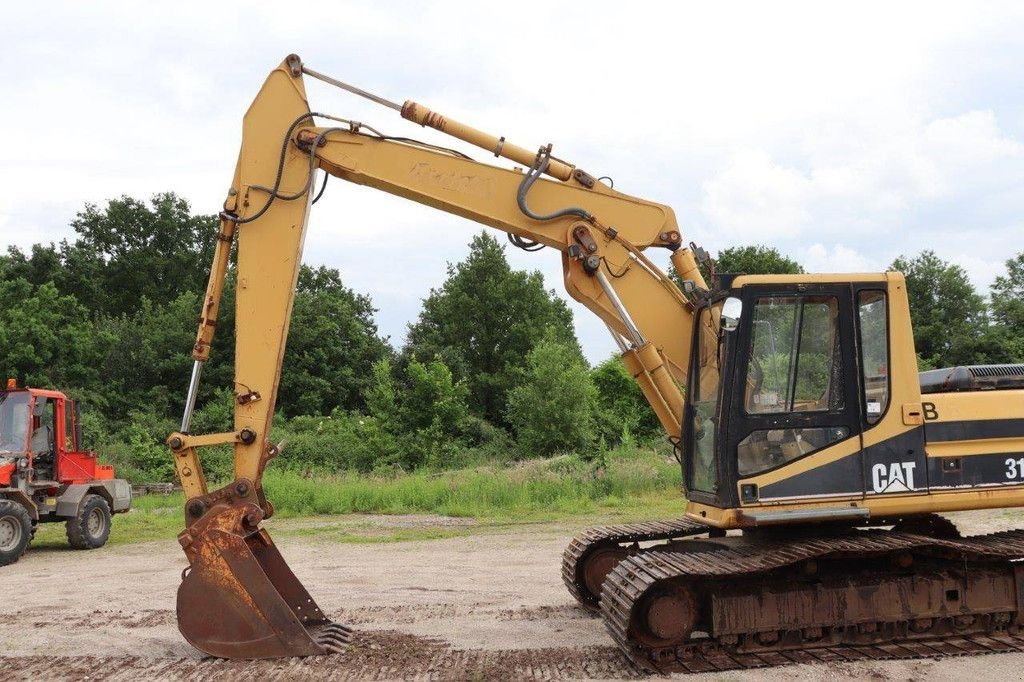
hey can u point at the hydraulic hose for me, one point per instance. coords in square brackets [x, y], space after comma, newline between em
[538, 168]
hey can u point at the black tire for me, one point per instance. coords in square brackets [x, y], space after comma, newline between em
[15, 531]
[91, 528]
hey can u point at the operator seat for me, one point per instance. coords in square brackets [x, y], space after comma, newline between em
[42, 451]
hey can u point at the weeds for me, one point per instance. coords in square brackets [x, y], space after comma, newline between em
[632, 483]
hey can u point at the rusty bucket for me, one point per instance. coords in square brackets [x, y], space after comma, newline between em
[239, 598]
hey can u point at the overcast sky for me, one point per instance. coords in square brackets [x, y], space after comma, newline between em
[843, 137]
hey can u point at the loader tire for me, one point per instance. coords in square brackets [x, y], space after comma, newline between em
[91, 528]
[15, 531]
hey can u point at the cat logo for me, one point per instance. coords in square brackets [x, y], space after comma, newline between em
[897, 477]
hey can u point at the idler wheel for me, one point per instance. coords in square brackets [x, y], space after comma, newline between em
[598, 565]
[671, 616]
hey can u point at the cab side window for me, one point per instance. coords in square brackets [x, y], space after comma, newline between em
[43, 434]
[874, 353]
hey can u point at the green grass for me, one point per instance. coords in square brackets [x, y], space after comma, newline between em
[635, 484]
[530, 490]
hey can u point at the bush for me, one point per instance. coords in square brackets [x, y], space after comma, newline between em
[623, 415]
[339, 442]
[139, 447]
[552, 409]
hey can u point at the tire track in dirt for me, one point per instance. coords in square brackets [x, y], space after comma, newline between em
[143, 618]
[379, 655]
[403, 614]
[561, 612]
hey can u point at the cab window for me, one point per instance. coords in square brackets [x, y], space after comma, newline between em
[795, 367]
[874, 353]
[795, 363]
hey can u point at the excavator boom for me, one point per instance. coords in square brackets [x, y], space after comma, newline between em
[238, 597]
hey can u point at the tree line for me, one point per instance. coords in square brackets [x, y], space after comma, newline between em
[110, 317]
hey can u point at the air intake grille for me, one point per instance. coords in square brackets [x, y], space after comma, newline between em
[972, 378]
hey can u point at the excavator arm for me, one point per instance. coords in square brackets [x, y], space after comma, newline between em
[239, 598]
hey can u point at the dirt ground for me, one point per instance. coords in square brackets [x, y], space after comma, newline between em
[489, 605]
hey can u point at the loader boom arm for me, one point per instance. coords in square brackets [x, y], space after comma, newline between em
[600, 233]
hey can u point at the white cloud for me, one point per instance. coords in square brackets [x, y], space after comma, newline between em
[914, 185]
[842, 135]
[837, 258]
[755, 198]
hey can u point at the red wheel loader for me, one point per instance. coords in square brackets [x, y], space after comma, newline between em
[46, 476]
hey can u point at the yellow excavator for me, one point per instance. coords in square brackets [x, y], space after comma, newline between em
[814, 457]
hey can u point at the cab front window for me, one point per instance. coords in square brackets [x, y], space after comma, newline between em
[705, 385]
[795, 368]
[14, 422]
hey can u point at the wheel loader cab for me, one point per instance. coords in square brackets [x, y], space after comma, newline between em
[783, 394]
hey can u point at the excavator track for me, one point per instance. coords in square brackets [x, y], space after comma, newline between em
[854, 595]
[604, 547]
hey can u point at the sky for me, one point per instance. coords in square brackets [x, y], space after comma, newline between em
[844, 136]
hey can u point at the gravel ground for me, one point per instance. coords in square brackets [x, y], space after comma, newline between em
[489, 605]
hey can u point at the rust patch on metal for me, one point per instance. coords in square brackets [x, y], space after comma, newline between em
[435, 120]
[599, 563]
[305, 138]
[409, 110]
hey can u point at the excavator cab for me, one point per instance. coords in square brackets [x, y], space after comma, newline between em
[796, 398]
[779, 384]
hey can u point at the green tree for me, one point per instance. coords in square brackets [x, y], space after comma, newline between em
[756, 260]
[749, 260]
[332, 342]
[552, 410]
[146, 368]
[425, 411]
[129, 250]
[41, 265]
[622, 414]
[125, 251]
[483, 322]
[48, 339]
[949, 317]
[1008, 307]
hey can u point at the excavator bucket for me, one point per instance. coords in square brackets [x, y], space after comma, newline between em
[239, 599]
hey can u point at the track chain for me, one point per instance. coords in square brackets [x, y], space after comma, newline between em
[627, 584]
[593, 538]
[712, 658]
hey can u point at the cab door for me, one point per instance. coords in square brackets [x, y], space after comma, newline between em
[894, 451]
[795, 396]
